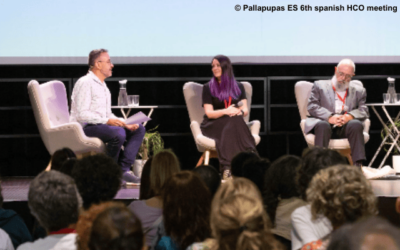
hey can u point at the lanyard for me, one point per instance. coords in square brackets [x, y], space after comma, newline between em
[340, 98]
[228, 104]
[64, 231]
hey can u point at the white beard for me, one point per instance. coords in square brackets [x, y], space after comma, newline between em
[340, 86]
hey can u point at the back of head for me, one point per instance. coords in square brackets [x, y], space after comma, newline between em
[68, 166]
[164, 164]
[342, 194]
[98, 179]
[116, 228]
[60, 157]
[54, 200]
[238, 162]
[279, 182]
[240, 222]
[210, 177]
[186, 208]
[145, 190]
[372, 233]
[254, 170]
[313, 161]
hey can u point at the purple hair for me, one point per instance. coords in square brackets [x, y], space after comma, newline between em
[228, 86]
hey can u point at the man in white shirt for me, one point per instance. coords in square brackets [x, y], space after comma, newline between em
[54, 201]
[337, 109]
[91, 107]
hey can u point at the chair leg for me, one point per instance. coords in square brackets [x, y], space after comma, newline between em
[201, 160]
[206, 156]
[347, 154]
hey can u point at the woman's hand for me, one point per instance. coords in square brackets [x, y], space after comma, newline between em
[232, 111]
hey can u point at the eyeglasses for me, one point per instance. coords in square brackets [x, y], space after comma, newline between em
[348, 77]
[108, 62]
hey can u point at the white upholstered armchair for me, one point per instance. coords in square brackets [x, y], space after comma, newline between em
[302, 91]
[50, 107]
[193, 97]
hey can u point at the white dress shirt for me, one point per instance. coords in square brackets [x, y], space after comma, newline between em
[91, 101]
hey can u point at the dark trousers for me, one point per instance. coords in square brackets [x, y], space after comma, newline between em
[115, 137]
[353, 131]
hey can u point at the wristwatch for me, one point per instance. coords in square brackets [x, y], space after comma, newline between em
[242, 111]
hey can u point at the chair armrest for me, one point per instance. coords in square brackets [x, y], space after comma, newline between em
[367, 124]
[71, 135]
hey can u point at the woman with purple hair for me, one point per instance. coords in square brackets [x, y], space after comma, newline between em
[225, 104]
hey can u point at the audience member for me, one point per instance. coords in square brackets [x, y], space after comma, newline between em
[85, 223]
[55, 202]
[281, 196]
[238, 219]
[254, 170]
[68, 166]
[186, 213]
[239, 160]
[210, 176]
[116, 228]
[164, 165]
[98, 179]
[367, 234]
[60, 157]
[304, 228]
[13, 225]
[145, 190]
[343, 195]
[5, 241]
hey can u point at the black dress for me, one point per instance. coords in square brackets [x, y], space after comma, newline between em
[231, 134]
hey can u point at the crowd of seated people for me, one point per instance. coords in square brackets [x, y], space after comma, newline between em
[316, 201]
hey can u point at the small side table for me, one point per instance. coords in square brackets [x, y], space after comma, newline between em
[393, 136]
[129, 108]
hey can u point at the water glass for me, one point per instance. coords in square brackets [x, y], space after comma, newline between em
[133, 100]
[386, 98]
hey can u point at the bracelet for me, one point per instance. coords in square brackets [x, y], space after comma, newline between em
[242, 111]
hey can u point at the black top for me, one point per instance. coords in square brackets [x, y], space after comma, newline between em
[217, 104]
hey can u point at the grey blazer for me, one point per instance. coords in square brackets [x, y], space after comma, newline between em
[321, 104]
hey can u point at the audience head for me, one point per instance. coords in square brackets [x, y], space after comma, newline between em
[116, 228]
[367, 234]
[238, 219]
[68, 166]
[60, 157]
[279, 183]
[186, 208]
[210, 176]
[342, 194]
[314, 160]
[54, 200]
[238, 162]
[254, 170]
[98, 179]
[164, 164]
[145, 190]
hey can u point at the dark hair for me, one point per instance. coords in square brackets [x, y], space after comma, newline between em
[61, 156]
[279, 183]
[239, 160]
[145, 190]
[93, 55]
[354, 236]
[254, 170]
[54, 200]
[228, 86]
[98, 179]
[116, 228]
[314, 160]
[210, 176]
[68, 166]
[186, 209]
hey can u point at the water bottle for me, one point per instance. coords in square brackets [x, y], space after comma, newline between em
[123, 96]
[391, 90]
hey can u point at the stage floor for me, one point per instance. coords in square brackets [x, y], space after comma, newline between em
[16, 189]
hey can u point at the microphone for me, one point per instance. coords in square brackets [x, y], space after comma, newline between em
[237, 105]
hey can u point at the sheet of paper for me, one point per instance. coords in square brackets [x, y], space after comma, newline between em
[137, 118]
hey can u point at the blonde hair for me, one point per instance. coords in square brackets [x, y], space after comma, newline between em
[164, 164]
[238, 219]
[342, 194]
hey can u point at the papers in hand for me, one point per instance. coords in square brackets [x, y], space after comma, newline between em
[137, 118]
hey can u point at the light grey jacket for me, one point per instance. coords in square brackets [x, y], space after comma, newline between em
[321, 104]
